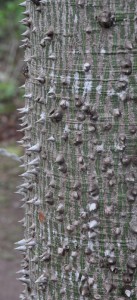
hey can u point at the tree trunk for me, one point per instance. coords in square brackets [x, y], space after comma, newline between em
[80, 180]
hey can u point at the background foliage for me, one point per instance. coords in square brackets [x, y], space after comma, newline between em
[10, 55]
[11, 60]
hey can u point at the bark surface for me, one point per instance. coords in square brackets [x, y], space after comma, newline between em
[80, 159]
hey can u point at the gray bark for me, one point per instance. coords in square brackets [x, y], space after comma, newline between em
[80, 179]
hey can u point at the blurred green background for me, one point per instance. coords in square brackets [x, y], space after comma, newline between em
[11, 62]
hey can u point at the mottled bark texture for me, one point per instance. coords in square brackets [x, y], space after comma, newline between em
[80, 179]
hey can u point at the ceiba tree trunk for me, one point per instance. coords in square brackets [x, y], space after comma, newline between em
[80, 179]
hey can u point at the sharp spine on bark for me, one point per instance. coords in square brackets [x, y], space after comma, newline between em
[31, 243]
[41, 79]
[21, 242]
[20, 192]
[27, 59]
[42, 119]
[22, 86]
[26, 175]
[52, 56]
[26, 22]
[23, 165]
[51, 138]
[34, 171]
[23, 271]
[24, 110]
[24, 199]
[39, 100]
[34, 162]
[86, 67]
[56, 116]
[50, 32]
[26, 45]
[37, 202]
[24, 124]
[52, 183]
[106, 19]
[32, 201]
[60, 159]
[42, 279]
[34, 29]
[25, 40]
[24, 280]
[25, 128]
[21, 248]
[23, 4]
[35, 148]
[60, 208]
[88, 30]
[26, 33]
[23, 185]
[26, 13]
[21, 221]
